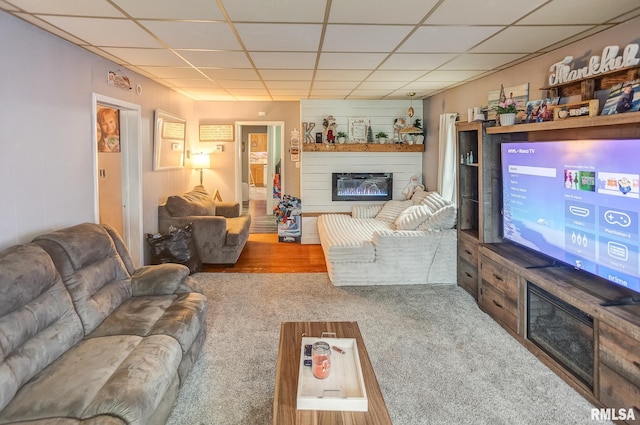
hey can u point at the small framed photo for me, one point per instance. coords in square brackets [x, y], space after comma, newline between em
[539, 110]
[623, 97]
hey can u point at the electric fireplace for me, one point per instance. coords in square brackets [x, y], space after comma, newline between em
[562, 331]
[362, 186]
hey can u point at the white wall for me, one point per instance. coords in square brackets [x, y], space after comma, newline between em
[46, 140]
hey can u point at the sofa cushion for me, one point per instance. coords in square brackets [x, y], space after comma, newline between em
[412, 217]
[392, 209]
[418, 196]
[122, 376]
[347, 239]
[195, 202]
[435, 201]
[91, 269]
[37, 320]
[444, 218]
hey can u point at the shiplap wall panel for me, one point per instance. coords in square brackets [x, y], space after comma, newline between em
[316, 167]
[382, 113]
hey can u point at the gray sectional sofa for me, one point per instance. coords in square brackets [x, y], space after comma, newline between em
[86, 338]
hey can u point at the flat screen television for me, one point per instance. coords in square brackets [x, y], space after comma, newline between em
[577, 202]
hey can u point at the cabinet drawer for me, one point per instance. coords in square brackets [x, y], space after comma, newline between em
[500, 277]
[496, 305]
[468, 277]
[468, 251]
[620, 352]
[617, 392]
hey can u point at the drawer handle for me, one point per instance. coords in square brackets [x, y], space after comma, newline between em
[497, 277]
[468, 275]
[636, 364]
[466, 251]
[497, 304]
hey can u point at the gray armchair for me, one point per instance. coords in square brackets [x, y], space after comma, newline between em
[220, 232]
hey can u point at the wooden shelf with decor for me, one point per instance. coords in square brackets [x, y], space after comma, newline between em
[587, 87]
[361, 147]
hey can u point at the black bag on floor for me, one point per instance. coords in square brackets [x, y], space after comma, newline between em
[176, 247]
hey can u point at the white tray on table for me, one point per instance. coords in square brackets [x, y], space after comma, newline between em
[343, 389]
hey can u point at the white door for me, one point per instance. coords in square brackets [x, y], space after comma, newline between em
[122, 193]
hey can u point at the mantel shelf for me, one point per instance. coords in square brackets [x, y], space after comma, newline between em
[361, 147]
[629, 118]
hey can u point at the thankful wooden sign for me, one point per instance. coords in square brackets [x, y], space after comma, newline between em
[609, 60]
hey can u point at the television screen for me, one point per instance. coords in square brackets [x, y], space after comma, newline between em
[576, 201]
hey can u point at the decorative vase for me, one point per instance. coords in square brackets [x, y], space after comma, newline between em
[507, 119]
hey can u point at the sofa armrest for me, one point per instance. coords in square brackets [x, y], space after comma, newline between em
[163, 279]
[228, 209]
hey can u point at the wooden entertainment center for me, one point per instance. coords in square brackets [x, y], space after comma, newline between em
[497, 273]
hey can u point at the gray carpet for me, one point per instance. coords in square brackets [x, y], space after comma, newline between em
[437, 357]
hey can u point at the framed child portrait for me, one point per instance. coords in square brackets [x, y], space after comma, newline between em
[108, 129]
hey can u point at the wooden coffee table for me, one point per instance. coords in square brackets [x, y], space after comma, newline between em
[285, 396]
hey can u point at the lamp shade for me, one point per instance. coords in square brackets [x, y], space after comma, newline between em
[201, 161]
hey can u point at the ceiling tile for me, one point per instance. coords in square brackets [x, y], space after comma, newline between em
[241, 84]
[449, 76]
[420, 86]
[154, 9]
[168, 72]
[328, 94]
[416, 61]
[215, 58]
[48, 27]
[146, 57]
[380, 11]
[531, 39]
[335, 85]
[569, 40]
[350, 60]
[494, 12]
[6, 6]
[275, 10]
[286, 74]
[341, 74]
[104, 32]
[364, 38]
[274, 37]
[230, 74]
[447, 39]
[194, 35]
[96, 8]
[293, 85]
[395, 75]
[567, 12]
[368, 94]
[283, 60]
[381, 85]
[480, 61]
[193, 83]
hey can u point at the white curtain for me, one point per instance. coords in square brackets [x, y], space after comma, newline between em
[447, 157]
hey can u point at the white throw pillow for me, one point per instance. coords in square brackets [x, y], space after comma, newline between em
[435, 201]
[412, 217]
[392, 210]
[418, 196]
[444, 218]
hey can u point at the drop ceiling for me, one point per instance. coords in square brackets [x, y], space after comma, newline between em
[314, 49]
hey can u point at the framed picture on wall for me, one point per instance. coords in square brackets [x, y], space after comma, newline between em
[108, 129]
[358, 128]
[168, 141]
[623, 97]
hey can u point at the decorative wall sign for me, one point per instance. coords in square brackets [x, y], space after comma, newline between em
[216, 132]
[307, 127]
[119, 80]
[358, 128]
[561, 72]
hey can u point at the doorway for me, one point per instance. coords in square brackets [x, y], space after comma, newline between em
[117, 174]
[259, 171]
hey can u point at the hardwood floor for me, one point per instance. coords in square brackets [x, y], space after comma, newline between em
[264, 254]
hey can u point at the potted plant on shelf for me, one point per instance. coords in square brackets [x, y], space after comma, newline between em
[506, 109]
[342, 137]
[382, 137]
